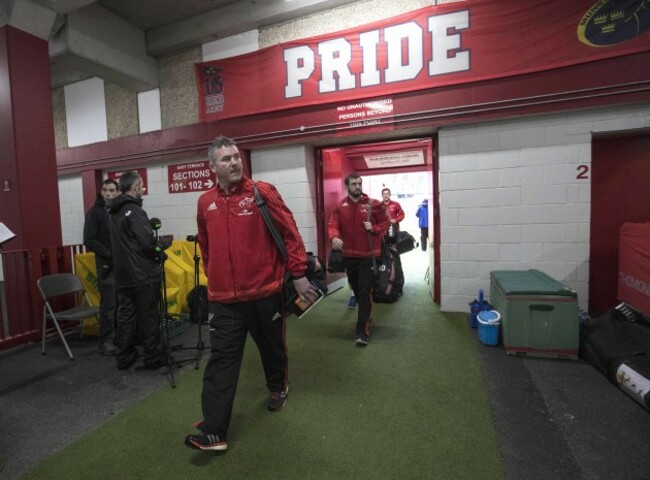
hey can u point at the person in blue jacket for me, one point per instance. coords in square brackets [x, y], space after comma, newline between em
[423, 223]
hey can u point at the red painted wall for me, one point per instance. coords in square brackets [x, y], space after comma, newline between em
[28, 159]
[619, 193]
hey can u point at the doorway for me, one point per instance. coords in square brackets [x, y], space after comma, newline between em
[619, 185]
[409, 190]
[407, 168]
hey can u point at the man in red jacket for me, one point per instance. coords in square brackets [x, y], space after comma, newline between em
[395, 212]
[245, 271]
[357, 226]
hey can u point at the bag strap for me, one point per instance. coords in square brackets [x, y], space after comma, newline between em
[372, 253]
[261, 204]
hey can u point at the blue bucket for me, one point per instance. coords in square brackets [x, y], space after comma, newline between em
[488, 327]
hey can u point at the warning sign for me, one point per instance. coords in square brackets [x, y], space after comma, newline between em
[190, 177]
[366, 113]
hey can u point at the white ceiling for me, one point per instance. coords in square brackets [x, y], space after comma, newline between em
[150, 14]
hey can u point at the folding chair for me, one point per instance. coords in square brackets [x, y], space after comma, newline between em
[56, 285]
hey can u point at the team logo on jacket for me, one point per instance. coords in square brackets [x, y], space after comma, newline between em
[128, 212]
[246, 206]
[213, 206]
[247, 202]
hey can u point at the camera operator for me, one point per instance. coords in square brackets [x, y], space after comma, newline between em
[136, 261]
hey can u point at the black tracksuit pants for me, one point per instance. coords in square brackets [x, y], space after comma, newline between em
[361, 279]
[229, 325]
[424, 238]
[138, 313]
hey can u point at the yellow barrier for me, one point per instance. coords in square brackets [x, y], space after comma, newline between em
[179, 277]
[84, 266]
[176, 288]
[183, 251]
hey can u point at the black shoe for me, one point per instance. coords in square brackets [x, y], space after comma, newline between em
[107, 348]
[277, 400]
[124, 364]
[206, 441]
[362, 340]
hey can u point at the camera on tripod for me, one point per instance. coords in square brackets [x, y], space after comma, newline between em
[162, 243]
[198, 295]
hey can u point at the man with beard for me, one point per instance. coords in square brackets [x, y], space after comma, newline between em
[136, 254]
[357, 226]
[245, 271]
[97, 239]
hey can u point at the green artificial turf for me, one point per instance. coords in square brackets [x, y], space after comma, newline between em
[411, 405]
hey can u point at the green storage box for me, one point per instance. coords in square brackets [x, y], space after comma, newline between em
[539, 315]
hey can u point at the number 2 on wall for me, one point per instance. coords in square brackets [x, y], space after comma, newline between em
[583, 172]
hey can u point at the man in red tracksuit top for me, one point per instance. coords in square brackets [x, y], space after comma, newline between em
[245, 271]
[357, 227]
[395, 212]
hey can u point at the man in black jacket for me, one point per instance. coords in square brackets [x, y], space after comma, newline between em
[137, 276]
[97, 239]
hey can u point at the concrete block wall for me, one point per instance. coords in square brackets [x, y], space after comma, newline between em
[72, 213]
[510, 198]
[292, 170]
[176, 211]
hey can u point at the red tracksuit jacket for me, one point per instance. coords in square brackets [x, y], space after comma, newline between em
[346, 223]
[240, 258]
[396, 213]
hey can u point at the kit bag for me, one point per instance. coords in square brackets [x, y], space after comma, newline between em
[390, 277]
[405, 242]
[335, 262]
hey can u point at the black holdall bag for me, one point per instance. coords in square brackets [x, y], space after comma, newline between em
[389, 280]
[405, 242]
[335, 262]
[315, 271]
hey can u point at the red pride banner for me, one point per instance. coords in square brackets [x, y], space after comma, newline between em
[452, 43]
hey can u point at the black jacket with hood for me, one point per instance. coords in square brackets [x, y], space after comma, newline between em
[133, 243]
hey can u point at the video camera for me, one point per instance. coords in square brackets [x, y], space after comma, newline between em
[162, 243]
[155, 223]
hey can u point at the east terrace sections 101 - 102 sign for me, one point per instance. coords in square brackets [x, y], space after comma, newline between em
[190, 177]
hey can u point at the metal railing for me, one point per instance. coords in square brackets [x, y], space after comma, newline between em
[21, 308]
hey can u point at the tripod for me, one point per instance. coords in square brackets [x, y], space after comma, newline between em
[166, 320]
[200, 346]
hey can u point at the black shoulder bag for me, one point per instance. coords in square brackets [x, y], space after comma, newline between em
[315, 272]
